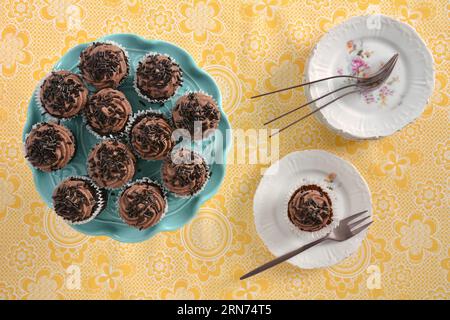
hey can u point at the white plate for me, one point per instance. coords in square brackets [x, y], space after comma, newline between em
[359, 46]
[350, 189]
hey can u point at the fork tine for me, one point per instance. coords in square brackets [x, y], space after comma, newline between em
[353, 216]
[379, 74]
[362, 228]
[356, 223]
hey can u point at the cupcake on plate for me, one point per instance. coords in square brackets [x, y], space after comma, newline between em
[63, 94]
[107, 113]
[184, 173]
[157, 78]
[104, 65]
[197, 113]
[142, 204]
[150, 135]
[49, 146]
[77, 200]
[111, 164]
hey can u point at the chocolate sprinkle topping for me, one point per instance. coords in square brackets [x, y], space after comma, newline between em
[59, 91]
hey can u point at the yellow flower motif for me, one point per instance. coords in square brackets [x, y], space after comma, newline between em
[6, 292]
[200, 19]
[218, 56]
[416, 236]
[411, 132]
[243, 187]
[446, 265]
[11, 152]
[13, 50]
[338, 16]
[318, 4]
[246, 289]
[20, 9]
[401, 277]
[71, 41]
[429, 194]
[116, 25]
[9, 186]
[160, 20]
[35, 220]
[395, 165]
[342, 286]
[254, 45]
[141, 296]
[440, 96]
[439, 47]
[159, 266]
[45, 66]
[109, 276]
[282, 74]
[181, 291]
[442, 154]
[240, 238]
[134, 6]
[22, 111]
[21, 255]
[67, 256]
[378, 252]
[364, 4]
[203, 269]
[351, 146]
[439, 294]
[65, 14]
[385, 204]
[248, 90]
[44, 286]
[413, 13]
[299, 34]
[307, 136]
[264, 8]
[297, 283]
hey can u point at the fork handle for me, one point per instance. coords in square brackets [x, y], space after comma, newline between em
[282, 258]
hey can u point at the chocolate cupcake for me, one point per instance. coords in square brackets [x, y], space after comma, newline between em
[157, 78]
[103, 65]
[49, 146]
[184, 173]
[150, 136]
[77, 200]
[107, 112]
[142, 204]
[111, 164]
[198, 113]
[310, 208]
[63, 94]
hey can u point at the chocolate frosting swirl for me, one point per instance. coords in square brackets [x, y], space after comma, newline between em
[103, 65]
[75, 200]
[142, 205]
[111, 164]
[310, 208]
[158, 77]
[107, 112]
[63, 94]
[196, 112]
[49, 146]
[151, 137]
[184, 172]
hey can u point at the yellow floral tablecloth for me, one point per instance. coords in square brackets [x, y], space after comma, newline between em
[248, 47]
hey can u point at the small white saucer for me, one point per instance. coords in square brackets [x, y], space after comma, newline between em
[352, 196]
[359, 46]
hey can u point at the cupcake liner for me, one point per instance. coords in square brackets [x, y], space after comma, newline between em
[101, 201]
[208, 176]
[149, 181]
[37, 97]
[134, 119]
[314, 234]
[34, 126]
[93, 147]
[143, 96]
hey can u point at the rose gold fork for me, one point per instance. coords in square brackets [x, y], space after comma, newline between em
[346, 229]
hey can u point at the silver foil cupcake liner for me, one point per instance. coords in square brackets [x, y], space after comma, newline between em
[142, 95]
[148, 181]
[101, 200]
[208, 176]
[314, 234]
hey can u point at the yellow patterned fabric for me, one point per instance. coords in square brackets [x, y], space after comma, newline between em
[248, 47]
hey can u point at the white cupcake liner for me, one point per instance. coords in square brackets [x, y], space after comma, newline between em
[208, 176]
[125, 52]
[142, 95]
[101, 201]
[37, 97]
[149, 181]
[136, 117]
[34, 126]
[327, 187]
[103, 141]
